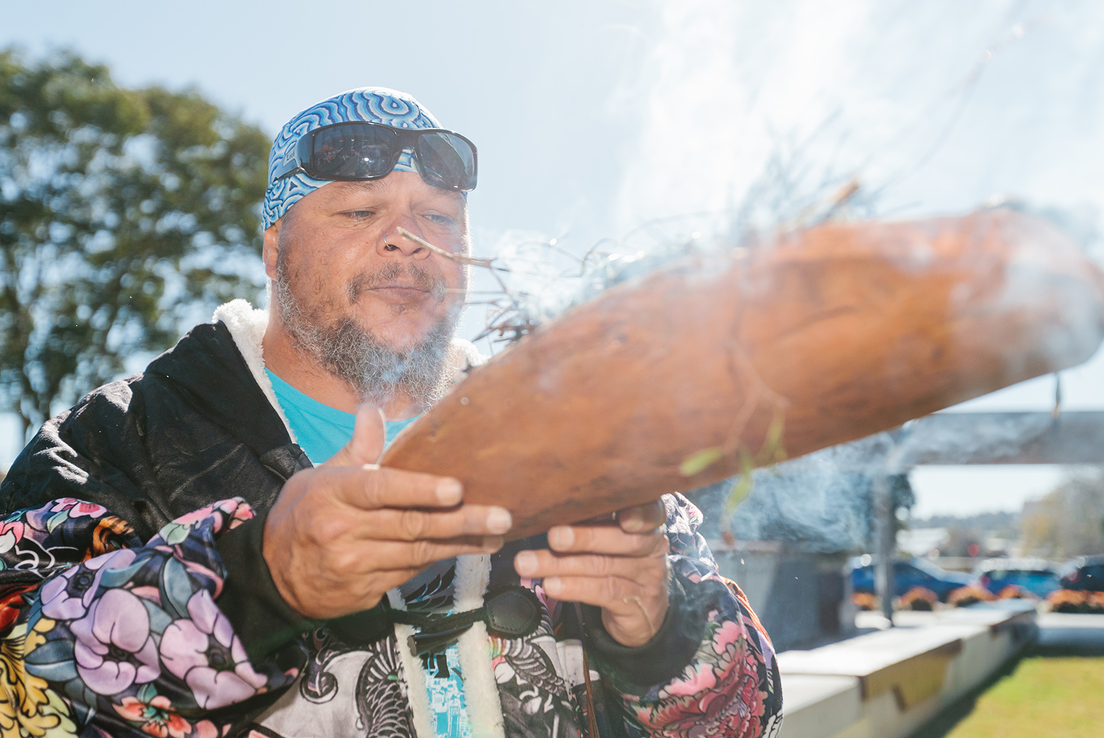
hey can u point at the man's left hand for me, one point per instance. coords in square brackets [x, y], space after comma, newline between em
[620, 567]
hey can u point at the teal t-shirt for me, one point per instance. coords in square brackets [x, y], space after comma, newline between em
[321, 431]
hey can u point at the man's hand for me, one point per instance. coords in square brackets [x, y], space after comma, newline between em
[620, 567]
[340, 535]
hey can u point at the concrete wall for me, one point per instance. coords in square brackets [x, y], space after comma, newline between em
[802, 598]
[890, 683]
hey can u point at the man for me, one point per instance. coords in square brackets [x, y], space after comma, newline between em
[175, 563]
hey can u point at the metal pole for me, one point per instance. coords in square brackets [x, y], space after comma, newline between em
[885, 545]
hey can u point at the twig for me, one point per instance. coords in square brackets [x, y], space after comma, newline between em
[458, 258]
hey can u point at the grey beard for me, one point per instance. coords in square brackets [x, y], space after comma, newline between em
[376, 371]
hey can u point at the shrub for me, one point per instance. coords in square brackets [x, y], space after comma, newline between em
[1016, 592]
[865, 601]
[918, 598]
[969, 595]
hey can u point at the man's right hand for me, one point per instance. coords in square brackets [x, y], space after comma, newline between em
[342, 534]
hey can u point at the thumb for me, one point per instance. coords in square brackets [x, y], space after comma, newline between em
[366, 445]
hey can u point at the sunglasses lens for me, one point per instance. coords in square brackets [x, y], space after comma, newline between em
[447, 160]
[354, 152]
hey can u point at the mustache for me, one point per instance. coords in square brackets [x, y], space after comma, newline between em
[391, 274]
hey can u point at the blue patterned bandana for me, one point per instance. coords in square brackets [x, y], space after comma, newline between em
[366, 104]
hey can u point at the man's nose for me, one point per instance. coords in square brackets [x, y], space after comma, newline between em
[392, 241]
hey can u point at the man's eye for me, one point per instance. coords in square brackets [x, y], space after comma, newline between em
[361, 213]
[439, 219]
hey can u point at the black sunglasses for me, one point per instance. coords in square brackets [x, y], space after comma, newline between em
[359, 151]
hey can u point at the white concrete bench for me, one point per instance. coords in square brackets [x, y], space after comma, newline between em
[889, 683]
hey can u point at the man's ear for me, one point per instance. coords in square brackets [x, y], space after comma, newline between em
[270, 252]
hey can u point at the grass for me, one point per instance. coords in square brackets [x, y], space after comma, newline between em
[1060, 697]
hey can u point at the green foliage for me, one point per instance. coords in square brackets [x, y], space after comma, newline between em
[124, 215]
[1069, 520]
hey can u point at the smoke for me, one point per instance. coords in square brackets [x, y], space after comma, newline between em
[823, 501]
[764, 111]
[761, 115]
[756, 108]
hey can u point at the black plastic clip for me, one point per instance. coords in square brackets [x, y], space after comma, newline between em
[513, 612]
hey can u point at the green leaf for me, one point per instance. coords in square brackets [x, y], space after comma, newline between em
[176, 589]
[699, 461]
[55, 671]
[174, 533]
[50, 652]
[56, 519]
[147, 693]
[111, 578]
[52, 661]
[772, 450]
[159, 619]
[741, 488]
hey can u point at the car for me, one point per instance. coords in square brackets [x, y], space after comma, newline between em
[907, 574]
[1084, 573]
[1037, 576]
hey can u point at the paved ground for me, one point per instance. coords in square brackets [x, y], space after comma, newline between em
[1063, 634]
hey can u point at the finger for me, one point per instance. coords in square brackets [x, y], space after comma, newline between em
[542, 564]
[412, 524]
[348, 593]
[630, 615]
[366, 445]
[612, 593]
[640, 518]
[367, 560]
[605, 540]
[606, 519]
[370, 487]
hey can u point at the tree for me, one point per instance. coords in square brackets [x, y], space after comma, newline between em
[1069, 521]
[123, 215]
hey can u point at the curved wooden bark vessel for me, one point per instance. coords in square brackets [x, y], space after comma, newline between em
[837, 332]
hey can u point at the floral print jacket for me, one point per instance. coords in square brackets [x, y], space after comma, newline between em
[109, 628]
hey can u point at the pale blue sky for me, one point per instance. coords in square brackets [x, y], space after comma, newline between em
[592, 116]
[525, 80]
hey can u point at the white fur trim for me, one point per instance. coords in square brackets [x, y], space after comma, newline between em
[473, 575]
[480, 688]
[463, 356]
[247, 326]
[416, 693]
[412, 669]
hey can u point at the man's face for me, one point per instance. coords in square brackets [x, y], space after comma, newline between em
[343, 272]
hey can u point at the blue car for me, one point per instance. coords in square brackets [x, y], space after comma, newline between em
[1037, 576]
[909, 573]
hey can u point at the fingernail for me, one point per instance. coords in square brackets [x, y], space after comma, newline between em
[525, 562]
[449, 491]
[561, 536]
[632, 522]
[499, 520]
[629, 520]
[552, 585]
[492, 543]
